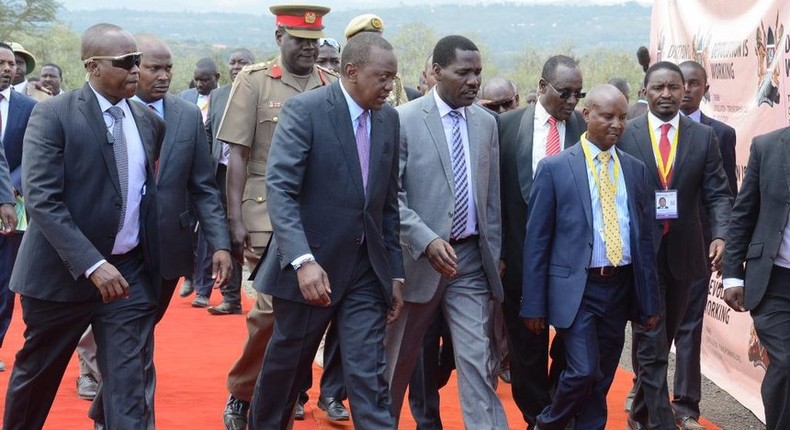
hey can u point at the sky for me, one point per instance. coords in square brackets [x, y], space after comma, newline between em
[260, 6]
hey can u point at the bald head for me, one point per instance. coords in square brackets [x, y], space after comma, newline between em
[150, 44]
[605, 113]
[500, 95]
[103, 40]
[109, 56]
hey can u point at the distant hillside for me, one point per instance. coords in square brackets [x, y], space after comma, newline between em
[505, 29]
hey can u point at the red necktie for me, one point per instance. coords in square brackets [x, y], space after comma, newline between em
[665, 148]
[553, 141]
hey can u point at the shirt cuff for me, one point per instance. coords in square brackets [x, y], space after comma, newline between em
[298, 261]
[93, 268]
[401, 280]
[732, 283]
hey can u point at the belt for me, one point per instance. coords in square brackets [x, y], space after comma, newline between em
[132, 253]
[464, 240]
[607, 271]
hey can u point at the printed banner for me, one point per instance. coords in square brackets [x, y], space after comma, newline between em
[745, 49]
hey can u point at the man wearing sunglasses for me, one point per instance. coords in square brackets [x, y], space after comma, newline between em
[90, 254]
[329, 54]
[500, 95]
[528, 135]
[256, 99]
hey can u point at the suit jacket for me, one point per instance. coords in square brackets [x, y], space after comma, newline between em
[726, 139]
[19, 109]
[317, 203]
[559, 242]
[697, 176]
[515, 137]
[74, 199]
[216, 110]
[427, 196]
[6, 189]
[186, 173]
[190, 95]
[760, 211]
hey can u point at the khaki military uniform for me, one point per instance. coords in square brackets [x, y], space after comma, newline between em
[250, 118]
[398, 95]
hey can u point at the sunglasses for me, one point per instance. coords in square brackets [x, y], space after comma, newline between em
[329, 42]
[566, 94]
[126, 61]
[503, 104]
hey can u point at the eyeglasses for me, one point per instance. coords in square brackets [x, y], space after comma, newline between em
[126, 61]
[503, 104]
[566, 94]
[329, 42]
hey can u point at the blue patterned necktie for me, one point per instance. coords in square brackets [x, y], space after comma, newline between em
[460, 179]
[121, 156]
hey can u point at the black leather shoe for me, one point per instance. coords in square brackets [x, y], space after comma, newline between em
[235, 414]
[334, 408]
[224, 308]
[632, 424]
[299, 413]
[87, 387]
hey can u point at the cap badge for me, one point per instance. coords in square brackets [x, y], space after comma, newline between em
[309, 17]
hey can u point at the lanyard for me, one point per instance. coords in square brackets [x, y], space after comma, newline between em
[588, 156]
[663, 171]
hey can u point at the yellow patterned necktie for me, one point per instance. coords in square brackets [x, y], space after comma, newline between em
[614, 243]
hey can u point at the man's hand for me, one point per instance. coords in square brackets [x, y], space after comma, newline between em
[240, 240]
[535, 325]
[734, 297]
[716, 254]
[110, 282]
[314, 284]
[8, 218]
[651, 323]
[502, 267]
[442, 257]
[397, 301]
[221, 268]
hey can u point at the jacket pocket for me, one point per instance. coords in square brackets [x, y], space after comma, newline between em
[755, 251]
[559, 271]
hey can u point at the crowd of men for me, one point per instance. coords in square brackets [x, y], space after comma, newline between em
[404, 232]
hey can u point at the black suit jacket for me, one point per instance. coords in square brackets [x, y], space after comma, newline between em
[515, 143]
[725, 136]
[699, 178]
[216, 110]
[19, 108]
[316, 200]
[760, 211]
[186, 173]
[73, 196]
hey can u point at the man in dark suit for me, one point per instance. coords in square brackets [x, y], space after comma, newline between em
[687, 389]
[761, 210]
[589, 261]
[524, 136]
[15, 111]
[231, 293]
[334, 255]
[684, 164]
[89, 256]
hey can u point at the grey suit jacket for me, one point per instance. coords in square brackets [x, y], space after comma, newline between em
[186, 173]
[426, 192]
[515, 140]
[698, 176]
[316, 200]
[190, 95]
[760, 211]
[6, 189]
[74, 199]
[216, 110]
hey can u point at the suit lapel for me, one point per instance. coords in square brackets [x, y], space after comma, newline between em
[341, 119]
[146, 130]
[571, 131]
[641, 134]
[684, 146]
[474, 130]
[89, 107]
[435, 128]
[173, 119]
[376, 148]
[579, 170]
[524, 151]
[631, 180]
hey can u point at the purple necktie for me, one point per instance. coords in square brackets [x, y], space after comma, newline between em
[363, 148]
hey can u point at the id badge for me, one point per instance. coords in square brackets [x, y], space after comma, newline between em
[667, 204]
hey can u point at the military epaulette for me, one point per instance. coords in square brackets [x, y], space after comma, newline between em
[265, 65]
[323, 71]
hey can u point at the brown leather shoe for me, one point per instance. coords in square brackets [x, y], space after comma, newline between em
[688, 423]
[224, 308]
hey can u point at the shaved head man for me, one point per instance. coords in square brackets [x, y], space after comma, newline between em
[500, 95]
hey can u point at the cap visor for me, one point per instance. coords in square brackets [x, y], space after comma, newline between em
[305, 34]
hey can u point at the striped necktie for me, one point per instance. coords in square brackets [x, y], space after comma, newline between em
[121, 156]
[553, 140]
[460, 179]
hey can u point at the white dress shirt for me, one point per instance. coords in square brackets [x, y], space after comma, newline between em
[540, 133]
[4, 110]
[20, 87]
[129, 236]
[447, 123]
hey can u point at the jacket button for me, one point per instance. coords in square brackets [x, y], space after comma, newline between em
[259, 199]
[275, 119]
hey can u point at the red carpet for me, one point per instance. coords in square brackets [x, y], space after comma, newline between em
[194, 351]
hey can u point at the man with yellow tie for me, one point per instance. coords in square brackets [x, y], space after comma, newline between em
[589, 260]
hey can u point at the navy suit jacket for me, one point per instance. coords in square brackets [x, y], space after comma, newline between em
[19, 108]
[559, 239]
[190, 95]
[316, 200]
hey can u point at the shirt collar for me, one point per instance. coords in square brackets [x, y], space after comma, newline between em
[105, 104]
[695, 116]
[158, 105]
[353, 108]
[6, 93]
[444, 108]
[657, 123]
[594, 150]
[20, 87]
[541, 114]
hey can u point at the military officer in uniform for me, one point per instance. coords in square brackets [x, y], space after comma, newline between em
[248, 124]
